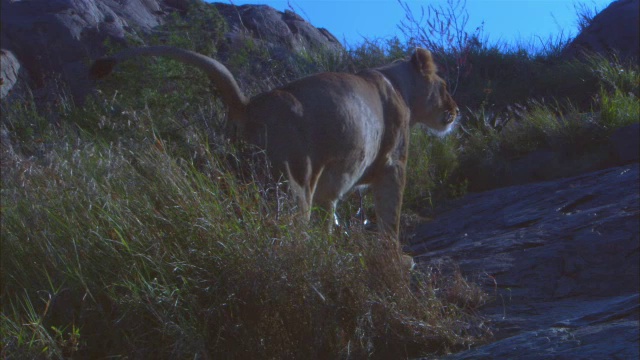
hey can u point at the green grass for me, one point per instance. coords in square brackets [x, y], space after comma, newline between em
[432, 162]
[126, 249]
[619, 109]
[619, 105]
[134, 227]
[491, 141]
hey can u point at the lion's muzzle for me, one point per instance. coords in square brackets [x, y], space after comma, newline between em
[450, 116]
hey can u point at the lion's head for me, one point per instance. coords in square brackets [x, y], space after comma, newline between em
[431, 103]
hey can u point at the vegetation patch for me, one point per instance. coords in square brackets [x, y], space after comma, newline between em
[131, 227]
[123, 249]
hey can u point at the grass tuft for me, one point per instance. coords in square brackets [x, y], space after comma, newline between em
[124, 249]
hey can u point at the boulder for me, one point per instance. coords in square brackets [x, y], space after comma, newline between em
[53, 41]
[11, 72]
[282, 30]
[616, 29]
[561, 259]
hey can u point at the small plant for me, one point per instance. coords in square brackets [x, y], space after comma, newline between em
[432, 162]
[441, 29]
[585, 14]
[376, 52]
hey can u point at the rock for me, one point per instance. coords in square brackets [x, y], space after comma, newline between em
[11, 72]
[540, 164]
[55, 40]
[610, 341]
[625, 144]
[562, 259]
[615, 29]
[283, 32]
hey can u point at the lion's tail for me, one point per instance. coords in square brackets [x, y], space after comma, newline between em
[221, 77]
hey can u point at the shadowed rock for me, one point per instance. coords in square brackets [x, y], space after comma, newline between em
[282, 30]
[54, 41]
[615, 30]
[561, 257]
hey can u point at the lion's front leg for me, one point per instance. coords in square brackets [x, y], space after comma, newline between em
[326, 213]
[388, 191]
[388, 200]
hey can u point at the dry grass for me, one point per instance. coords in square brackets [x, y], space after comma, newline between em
[128, 249]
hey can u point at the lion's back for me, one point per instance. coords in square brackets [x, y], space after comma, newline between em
[330, 112]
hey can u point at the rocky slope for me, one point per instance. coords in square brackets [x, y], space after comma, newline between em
[562, 259]
[52, 41]
[47, 43]
[615, 29]
[285, 31]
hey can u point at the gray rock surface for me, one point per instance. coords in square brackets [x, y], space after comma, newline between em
[10, 72]
[283, 30]
[55, 40]
[614, 29]
[562, 259]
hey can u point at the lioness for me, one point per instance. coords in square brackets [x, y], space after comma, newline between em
[331, 132]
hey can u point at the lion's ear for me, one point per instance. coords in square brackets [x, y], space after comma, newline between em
[423, 61]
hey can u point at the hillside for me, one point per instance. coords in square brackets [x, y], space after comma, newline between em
[131, 226]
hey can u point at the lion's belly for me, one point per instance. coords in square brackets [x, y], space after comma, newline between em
[348, 152]
[338, 178]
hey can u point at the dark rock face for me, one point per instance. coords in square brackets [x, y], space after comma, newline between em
[614, 29]
[281, 29]
[625, 144]
[622, 147]
[55, 40]
[562, 258]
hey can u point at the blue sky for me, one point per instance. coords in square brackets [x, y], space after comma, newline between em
[505, 21]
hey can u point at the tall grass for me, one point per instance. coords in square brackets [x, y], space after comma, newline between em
[130, 228]
[126, 248]
[432, 163]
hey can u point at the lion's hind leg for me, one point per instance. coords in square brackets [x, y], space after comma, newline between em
[303, 187]
[301, 192]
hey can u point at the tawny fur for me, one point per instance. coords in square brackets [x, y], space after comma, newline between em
[331, 132]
